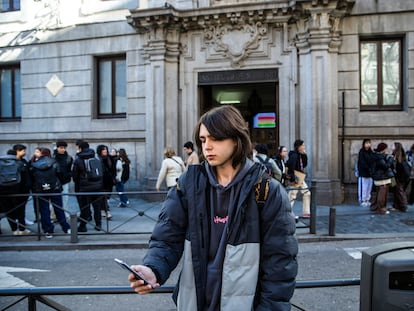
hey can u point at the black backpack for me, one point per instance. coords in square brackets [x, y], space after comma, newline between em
[93, 169]
[266, 163]
[46, 180]
[10, 173]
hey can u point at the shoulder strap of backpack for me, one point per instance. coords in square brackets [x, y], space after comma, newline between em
[263, 161]
[262, 191]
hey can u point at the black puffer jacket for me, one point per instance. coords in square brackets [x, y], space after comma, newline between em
[383, 166]
[49, 165]
[365, 162]
[65, 162]
[82, 184]
[260, 266]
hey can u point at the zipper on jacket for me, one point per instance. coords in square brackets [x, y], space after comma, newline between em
[202, 230]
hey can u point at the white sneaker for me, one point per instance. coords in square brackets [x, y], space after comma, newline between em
[28, 222]
[48, 235]
[69, 231]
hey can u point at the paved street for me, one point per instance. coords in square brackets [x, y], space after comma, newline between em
[95, 267]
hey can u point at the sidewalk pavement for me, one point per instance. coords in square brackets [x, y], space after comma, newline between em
[131, 227]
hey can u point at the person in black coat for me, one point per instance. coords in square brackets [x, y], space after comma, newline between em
[364, 173]
[109, 178]
[298, 160]
[382, 172]
[83, 184]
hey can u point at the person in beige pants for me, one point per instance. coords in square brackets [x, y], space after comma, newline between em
[298, 160]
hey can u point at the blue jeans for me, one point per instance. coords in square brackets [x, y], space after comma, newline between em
[120, 187]
[47, 224]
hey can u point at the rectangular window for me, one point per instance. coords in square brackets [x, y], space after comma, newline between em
[10, 5]
[10, 100]
[381, 74]
[111, 97]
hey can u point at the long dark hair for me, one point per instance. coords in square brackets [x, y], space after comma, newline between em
[399, 153]
[279, 151]
[123, 156]
[227, 122]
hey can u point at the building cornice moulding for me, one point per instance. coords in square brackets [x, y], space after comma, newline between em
[236, 30]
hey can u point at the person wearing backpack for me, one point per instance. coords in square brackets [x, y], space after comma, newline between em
[271, 167]
[237, 255]
[26, 183]
[10, 184]
[87, 174]
[45, 174]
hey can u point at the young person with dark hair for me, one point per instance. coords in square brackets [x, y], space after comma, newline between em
[364, 166]
[298, 161]
[382, 173]
[192, 156]
[45, 173]
[122, 175]
[236, 255]
[84, 183]
[109, 171]
[65, 162]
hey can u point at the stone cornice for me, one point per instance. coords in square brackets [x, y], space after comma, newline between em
[265, 12]
[235, 31]
[268, 12]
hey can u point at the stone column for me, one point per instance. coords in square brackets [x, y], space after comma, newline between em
[161, 52]
[317, 42]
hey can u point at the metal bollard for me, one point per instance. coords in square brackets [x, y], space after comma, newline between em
[73, 228]
[332, 221]
[312, 225]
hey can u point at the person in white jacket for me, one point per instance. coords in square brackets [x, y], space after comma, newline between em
[171, 168]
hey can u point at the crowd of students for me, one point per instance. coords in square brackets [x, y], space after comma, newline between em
[387, 172]
[48, 174]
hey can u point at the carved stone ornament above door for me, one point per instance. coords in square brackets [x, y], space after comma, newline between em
[235, 42]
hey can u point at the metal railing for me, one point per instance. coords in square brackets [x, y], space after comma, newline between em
[74, 213]
[74, 216]
[37, 294]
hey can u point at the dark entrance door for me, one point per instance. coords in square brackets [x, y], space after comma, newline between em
[257, 100]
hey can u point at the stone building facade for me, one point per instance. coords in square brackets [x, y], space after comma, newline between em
[308, 63]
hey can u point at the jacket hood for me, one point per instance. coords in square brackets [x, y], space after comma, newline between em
[86, 154]
[377, 155]
[248, 170]
[43, 163]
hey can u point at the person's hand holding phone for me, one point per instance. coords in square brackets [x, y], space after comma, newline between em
[143, 287]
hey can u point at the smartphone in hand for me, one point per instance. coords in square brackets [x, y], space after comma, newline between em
[137, 275]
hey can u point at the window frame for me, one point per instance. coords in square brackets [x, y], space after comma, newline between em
[11, 8]
[112, 59]
[379, 40]
[14, 117]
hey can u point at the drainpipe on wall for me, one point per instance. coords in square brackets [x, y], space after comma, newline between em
[343, 139]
